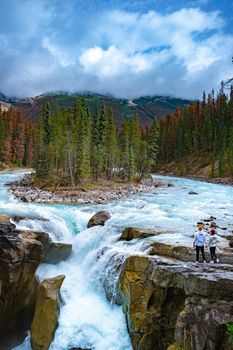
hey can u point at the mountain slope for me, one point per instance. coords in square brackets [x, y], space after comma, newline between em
[146, 107]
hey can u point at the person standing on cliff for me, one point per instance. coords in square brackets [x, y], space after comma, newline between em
[199, 243]
[213, 241]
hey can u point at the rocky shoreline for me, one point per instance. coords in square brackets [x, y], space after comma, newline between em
[26, 191]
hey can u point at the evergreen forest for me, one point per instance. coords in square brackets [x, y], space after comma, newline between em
[16, 140]
[203, 129]
[73, 146]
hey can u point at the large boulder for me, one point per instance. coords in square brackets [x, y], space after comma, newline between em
[130, 233]
[168, 305]
[99, 218]
[19, 259]
[47, 310]
[6, 227]
[54, 252]
[42, 237]
[58, 252]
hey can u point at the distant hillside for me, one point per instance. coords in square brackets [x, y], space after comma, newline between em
[146, 107]
[4, 106]
[6, 102]
[4, 98]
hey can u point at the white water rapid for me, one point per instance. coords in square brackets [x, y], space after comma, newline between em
[87, 319]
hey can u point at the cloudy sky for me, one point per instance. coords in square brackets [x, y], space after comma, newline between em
[126, 48]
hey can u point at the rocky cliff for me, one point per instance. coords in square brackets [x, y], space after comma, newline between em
[19, 259]
[175, 306]
[20, 254]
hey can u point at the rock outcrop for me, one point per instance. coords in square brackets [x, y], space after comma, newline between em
[130, 233]
[19, 259]
[20, 254]
[18, 218]
[54, 252]
[184, 253]
[47, 310]
[99, 218]
[58, 252]
[42, 237]
[168, 305]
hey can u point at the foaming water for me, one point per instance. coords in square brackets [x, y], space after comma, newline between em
[87, 318]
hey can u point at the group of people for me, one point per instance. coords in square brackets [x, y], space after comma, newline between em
[201, 242]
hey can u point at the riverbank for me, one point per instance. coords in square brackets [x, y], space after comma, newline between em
[15, 169]
[196, 168]
[95, 193]
[215, 180]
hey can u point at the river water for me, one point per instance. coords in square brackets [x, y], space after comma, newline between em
[87, 319]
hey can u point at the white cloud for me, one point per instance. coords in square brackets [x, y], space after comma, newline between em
[112, 62]
[124, 53]
[152, 44]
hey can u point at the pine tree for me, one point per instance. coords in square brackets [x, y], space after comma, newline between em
[134, 135]
[95, 152]
[2, 134]
[111, 144]
[83, 170]
[153, 144]
[124, 150]
[132, 166]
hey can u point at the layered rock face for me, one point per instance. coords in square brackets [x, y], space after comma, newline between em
[20, 254]
[19, 259]
[168, 305]
[46, 314]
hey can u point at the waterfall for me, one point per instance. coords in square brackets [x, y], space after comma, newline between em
[88, 319]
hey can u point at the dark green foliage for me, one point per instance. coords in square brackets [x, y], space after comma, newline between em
[74, 146]
[204, 127]
[2, 133]
[229, 327]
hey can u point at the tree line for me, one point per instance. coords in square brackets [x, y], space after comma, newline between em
[73, 145]
[204, 128]
[16, 139]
